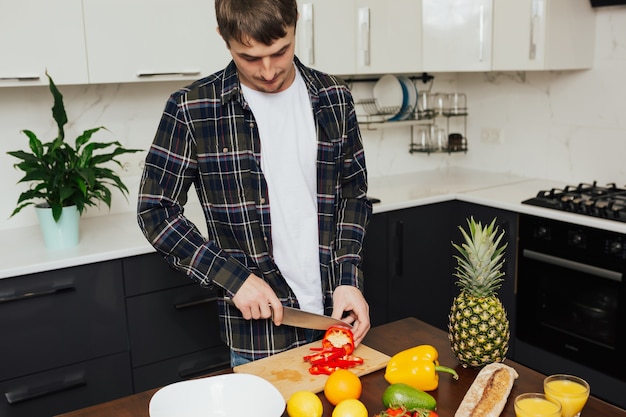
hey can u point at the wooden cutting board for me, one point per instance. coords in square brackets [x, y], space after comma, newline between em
[289, 373]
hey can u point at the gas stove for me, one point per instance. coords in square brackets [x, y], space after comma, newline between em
[607, 202]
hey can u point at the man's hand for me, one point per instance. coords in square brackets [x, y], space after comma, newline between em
[349, 299]
[257, 300]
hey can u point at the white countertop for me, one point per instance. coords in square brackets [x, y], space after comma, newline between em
[116, 236]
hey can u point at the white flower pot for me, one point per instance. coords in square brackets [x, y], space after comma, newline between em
[62, 234]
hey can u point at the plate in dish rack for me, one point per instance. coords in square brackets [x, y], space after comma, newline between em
[232, 395]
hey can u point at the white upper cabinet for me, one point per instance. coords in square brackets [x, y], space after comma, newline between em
[388, 36]
[360, 36]
[325, 35]
[543, 35]
[37, 35]
[457, 35]
[152, 40]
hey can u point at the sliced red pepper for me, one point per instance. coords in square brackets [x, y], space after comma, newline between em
[322, 370]
[326, 357]
[345, 362]
[339, 337]
[335, 353]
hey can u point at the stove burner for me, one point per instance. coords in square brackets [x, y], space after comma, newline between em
[608, 202]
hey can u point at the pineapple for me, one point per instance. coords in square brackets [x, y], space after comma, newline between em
[478, 325]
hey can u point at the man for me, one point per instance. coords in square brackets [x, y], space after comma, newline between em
[275, 154]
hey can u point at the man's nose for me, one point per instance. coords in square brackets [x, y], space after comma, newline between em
[267, 69]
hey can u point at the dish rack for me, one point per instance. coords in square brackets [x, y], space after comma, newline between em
[378, 117]
[427, 115]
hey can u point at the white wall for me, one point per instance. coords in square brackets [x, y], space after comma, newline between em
[568, 126]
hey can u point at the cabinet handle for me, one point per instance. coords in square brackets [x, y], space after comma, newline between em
[481, 34]
[364, 32]
[20, 78]
[157, 74]
[535, 18]
[6, 297]
[400, 257]
[29, 393]
[307, 21]
[201, 370]
[193, 303]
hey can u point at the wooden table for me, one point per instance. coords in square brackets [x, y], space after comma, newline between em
[390, 339]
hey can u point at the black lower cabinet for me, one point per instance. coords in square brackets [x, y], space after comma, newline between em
[406, 265]
[419, 276]
[173, 324]
[375, 267]
[67, 388]
[64, 343]
[409, 261]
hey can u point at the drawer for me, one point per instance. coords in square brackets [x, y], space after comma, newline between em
[170, 323]
[147, 273]
[67, 388]
[181, 368]
[60, 317]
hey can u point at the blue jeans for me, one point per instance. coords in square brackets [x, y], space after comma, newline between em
[236, 359]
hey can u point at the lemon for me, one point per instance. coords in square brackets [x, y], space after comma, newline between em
[304, 404]
[350, 408]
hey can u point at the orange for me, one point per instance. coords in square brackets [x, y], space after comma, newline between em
[350, 408]
[304, 404]
[342, 385]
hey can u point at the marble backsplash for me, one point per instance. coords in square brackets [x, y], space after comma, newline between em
[568, 126]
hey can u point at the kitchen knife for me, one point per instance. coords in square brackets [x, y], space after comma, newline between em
[300, 318]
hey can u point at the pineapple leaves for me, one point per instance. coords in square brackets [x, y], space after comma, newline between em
[62, 175]
[481, 258]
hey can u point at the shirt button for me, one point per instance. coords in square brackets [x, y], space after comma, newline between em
[224, 150]
[262, 200]
[265, 238]
[251, 124]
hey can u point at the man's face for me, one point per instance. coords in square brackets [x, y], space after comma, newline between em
[266, 68]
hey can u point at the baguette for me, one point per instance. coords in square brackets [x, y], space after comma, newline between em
[489, 392]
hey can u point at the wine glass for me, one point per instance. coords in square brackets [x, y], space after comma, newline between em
[571, 391]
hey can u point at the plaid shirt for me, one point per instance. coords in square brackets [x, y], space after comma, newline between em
[208, 138]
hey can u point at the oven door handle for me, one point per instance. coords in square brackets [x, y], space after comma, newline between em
[576, 266]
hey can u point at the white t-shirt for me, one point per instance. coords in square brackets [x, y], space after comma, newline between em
[288, 160]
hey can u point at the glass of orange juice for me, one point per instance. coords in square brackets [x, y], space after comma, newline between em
[571, 391]
[536, 405]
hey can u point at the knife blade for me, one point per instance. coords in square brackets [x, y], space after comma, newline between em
[300, 318]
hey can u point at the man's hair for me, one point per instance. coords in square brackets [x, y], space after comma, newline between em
[262, 20]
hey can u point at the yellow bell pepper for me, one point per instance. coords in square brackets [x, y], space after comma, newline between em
[417, 367]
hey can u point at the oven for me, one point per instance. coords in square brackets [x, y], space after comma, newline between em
[571, 293]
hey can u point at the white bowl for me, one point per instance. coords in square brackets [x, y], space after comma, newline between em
[229, 395]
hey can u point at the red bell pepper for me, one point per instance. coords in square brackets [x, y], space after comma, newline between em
[335, 353]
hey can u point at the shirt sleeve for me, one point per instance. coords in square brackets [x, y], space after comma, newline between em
[170, 171]
[354, 210]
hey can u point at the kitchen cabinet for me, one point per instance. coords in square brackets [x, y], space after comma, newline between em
[409, 265]
[409, 261]
[36, 36]
[457, 35]
[64, 342]
[360, 36]
[152, 40]
[543, 35]
[172, 324]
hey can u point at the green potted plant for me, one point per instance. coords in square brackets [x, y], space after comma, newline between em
[65, 179]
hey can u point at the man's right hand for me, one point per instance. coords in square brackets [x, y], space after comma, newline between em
[257, 300]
